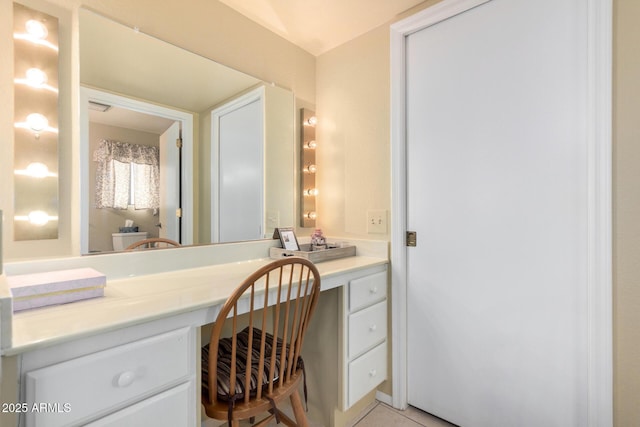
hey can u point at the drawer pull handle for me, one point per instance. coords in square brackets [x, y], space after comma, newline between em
[373, 328]
[374, 290]
[373, 373]
[125, 379]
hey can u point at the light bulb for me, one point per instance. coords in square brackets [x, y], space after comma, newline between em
[312, 121]
[311, 215]
[37, 122]
[36, 77]
[311, 192]
[36, 29]
[311, 144]
[37, 170]
[38, 218]
[311, 168]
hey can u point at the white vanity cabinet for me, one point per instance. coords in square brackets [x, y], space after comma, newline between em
[147, 381]
[133, 357]
[364, 325]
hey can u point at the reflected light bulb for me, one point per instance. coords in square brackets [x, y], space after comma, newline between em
[37, 122]
[311, 144]
[38, 217]
[37, 170]
[312, 121]
[311, 215]
[311, 192]
[311, 168]
[36, 77]
[36, 29]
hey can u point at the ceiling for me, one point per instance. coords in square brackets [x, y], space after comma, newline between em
[320, 25]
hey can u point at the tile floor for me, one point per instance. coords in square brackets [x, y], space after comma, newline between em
[381, 415]
[376, 415]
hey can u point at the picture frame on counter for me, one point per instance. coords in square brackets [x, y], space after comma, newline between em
[288, 238]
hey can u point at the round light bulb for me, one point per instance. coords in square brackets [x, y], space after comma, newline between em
[312, 121]
[37, 122]
[311, 192]
[38, 217]
[311, 215]
[311, 168]
[37, 170]
[311, 144]
[36, 77]
[36, 29]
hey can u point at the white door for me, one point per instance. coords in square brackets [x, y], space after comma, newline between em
[239, 205]
[169, 183]
[496, 191]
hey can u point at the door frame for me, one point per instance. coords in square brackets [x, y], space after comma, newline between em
[599, 210]
[89, 94]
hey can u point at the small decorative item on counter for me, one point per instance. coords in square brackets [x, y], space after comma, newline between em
[55, 287]
[318, 241]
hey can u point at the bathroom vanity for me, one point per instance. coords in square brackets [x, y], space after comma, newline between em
[133, 356]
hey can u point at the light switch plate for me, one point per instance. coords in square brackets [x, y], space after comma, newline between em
[377, 221]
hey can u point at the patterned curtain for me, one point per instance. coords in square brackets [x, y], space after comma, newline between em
[113, 175]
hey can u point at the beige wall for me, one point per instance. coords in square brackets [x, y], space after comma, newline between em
[626, 212]
[352, 100]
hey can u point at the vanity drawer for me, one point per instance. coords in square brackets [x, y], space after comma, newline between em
[367, 290]
[98, 382]
[367, 372]
[167, 409]
[367, 328]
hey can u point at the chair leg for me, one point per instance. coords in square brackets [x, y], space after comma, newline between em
[298, 410]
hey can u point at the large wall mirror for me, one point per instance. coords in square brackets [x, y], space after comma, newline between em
[178, 146]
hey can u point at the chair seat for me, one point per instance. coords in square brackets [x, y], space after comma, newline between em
[224, 365]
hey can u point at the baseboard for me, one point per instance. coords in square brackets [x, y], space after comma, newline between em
[384, 398]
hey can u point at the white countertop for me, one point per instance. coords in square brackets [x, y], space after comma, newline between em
[135, 300]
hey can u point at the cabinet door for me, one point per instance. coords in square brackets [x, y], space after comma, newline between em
[168, 409]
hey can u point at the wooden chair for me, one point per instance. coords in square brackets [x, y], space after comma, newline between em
[245, 374]
[152, 243]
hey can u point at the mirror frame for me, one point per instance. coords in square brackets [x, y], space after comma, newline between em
[89, 94]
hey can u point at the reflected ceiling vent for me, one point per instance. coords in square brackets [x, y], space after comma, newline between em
[103, 108]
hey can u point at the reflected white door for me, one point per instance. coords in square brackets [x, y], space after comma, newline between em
[239, 205]
[496, 190]
[169, 183]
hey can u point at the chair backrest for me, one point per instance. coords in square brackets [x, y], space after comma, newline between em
[152, 243]
[274, 306]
